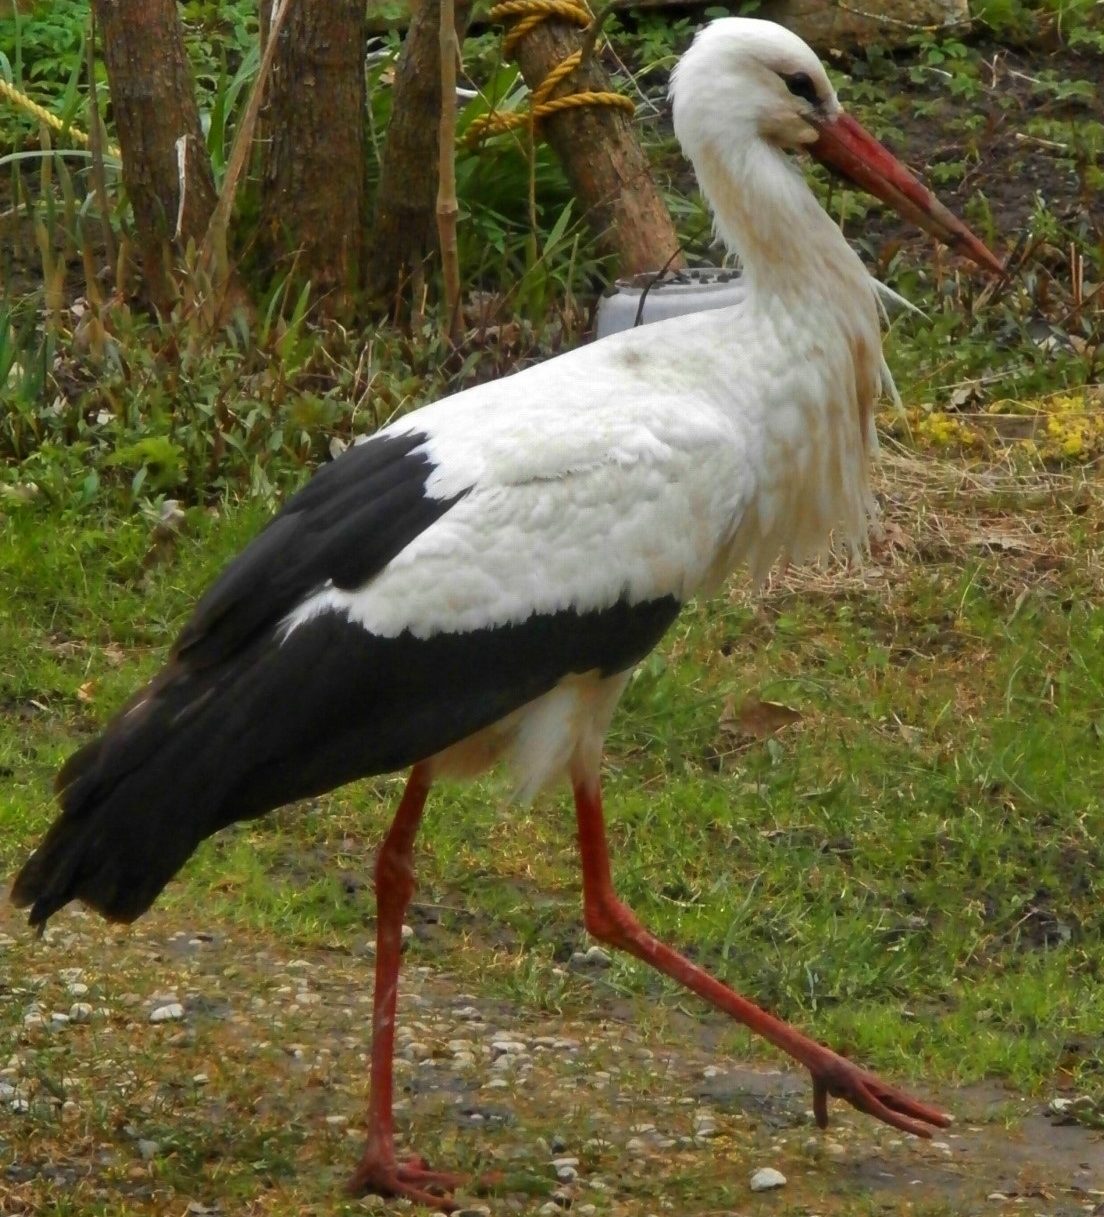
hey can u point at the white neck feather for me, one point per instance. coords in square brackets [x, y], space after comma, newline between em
[814, 300]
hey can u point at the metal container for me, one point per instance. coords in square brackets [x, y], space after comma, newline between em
[669, 295]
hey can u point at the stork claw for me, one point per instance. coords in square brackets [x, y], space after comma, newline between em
[866, 1092]
[411, 1179]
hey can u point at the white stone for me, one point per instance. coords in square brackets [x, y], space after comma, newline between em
[766, 1179]
[80, 1012]
[168, 1013]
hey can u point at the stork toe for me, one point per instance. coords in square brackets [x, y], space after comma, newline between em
[866, 1092]
[412, 1180]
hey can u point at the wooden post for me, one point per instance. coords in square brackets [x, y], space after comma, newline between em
[603, 159]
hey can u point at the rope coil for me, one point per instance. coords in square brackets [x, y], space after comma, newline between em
[44, 116]
[529, 14]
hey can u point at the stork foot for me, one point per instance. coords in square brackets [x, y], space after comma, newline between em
[412, 1179]
[835, 1075]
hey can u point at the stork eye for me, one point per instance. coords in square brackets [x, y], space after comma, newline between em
[800, 84]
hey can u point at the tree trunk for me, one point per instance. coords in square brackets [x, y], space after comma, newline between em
[155, 110]
[604, 161]
[403, 232]
[313, 171]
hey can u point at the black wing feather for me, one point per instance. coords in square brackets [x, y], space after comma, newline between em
[343, 527]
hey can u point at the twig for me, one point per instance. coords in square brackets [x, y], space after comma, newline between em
[447, 208]
[95, 142]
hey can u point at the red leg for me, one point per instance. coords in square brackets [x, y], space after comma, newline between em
[379, 1171]
[611, 921]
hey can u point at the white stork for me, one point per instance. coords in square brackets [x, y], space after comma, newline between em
[476, 582]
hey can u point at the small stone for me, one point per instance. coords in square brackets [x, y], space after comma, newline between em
[200, 1079]
[76, 989]
[7, 1092]
[551, 1209]
[80, 1012]
[997, 1196]
[597, 958]
[566, 1174]
[20, 1106]
[636, 1147]
[56, 1016]
[168, 1013]
[586, 1210]
[766, 1179]
[70, 1110]
[148, 1149]
[337, 1121]
[407, 933]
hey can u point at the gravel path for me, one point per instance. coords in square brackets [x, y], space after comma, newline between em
[163, 1068]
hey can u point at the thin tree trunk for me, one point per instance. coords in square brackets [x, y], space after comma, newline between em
[313, 174]
[604, 161]
[403, 232]
[166, 170]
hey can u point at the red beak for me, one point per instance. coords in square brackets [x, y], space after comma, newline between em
[847, 147]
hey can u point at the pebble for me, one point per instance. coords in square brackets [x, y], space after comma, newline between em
[766, 1179]
[566, 1174]
[76, 989]
[80, 1012]
[70, 1110]
[148, 1149]
[7, 1092]
[636, 1147]
[592, 957]
[337, 1121]
[167, 1014]
[547, 1210]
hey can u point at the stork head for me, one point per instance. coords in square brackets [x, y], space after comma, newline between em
[745, 84]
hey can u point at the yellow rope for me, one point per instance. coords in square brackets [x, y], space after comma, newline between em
[529, 14]
[44, 116]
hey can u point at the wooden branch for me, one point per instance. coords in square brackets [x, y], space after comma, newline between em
[447, 208]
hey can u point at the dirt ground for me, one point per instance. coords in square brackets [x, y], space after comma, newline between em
[255, 1089]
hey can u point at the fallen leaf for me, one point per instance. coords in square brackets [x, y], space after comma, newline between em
[757, 719]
